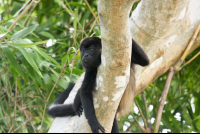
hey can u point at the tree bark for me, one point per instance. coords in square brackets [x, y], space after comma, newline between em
[113, 73]
[162, 28]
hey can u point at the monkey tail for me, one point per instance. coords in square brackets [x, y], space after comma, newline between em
[60, 110]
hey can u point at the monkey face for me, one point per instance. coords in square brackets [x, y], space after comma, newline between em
[91, 52]
[90, 56]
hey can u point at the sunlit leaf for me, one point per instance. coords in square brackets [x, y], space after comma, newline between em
[3, 29]
[12, 60]
[24, 32]
[46, 34]
[27, 44]
[15, 76]
[1, 35]
[30, 60]
[63, 83]
[42, 53]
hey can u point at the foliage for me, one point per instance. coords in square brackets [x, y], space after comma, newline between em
[181, 111]
[45, 41]
[32, 56]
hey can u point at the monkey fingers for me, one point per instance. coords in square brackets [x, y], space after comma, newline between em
[79, 111]
[102, 128]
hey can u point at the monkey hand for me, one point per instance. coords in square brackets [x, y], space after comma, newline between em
[79, 110]
[95, 129]
[102, 128]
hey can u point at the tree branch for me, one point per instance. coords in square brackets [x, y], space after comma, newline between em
[163, 32]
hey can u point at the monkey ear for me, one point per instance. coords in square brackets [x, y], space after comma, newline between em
[138, 55]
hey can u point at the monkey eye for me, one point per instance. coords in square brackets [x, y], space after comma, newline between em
[91, 49]
[82, 50]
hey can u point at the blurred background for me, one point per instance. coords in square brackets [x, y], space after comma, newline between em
[39, 56]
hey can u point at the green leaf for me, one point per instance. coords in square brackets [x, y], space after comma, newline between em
[198, 117]
[42, 53]
[78, 5]
[3, 29]
[15, 76]
[74, 71]
[166, 117]
[46, 34]
[48, 82]
[30, 72]
[22, 33]
[62, 82]
[30, 60]
[1, 35]
[12, 60]
[27, 44]
[64, 59]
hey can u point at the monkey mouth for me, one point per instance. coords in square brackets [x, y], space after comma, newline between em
[85, 62]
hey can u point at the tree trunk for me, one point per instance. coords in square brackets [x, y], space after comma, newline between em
[162, 28]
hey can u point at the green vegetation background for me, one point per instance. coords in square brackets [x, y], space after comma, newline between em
[40, 56]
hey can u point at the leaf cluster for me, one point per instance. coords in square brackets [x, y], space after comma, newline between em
[33, 54]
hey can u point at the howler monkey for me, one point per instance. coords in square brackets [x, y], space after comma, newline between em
[91, 58]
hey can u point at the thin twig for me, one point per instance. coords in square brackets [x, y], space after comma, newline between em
[132, 123]
[36, 3]
[3, 129]
[169, 78]
[89, 23]
[4, 118]
[178, 64]
[29, 119]
[83, 29]
[145, 105]
[22, 8]
[8, 108]
[92, 26]
[11, 129]
[162, 101]
[144, 120]
[191, 59]
[23, 110]
[4, 113]
[8, 11]
[146, 111]
[60, 76]
[15, 106]
[2, 72]
[63, 5]
[21, 125]
[68, 10]
[138, 125]
[142, 128]
[92, 11]
[18, 18]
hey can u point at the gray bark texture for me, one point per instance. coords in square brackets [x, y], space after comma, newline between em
[162, 28]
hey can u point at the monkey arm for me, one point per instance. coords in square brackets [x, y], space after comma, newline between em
[138, 55]
[77, 104]
[115, 128]
[88, 106]
[64, 95]
[57, 108]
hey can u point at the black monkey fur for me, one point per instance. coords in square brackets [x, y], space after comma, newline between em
[91, 59]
